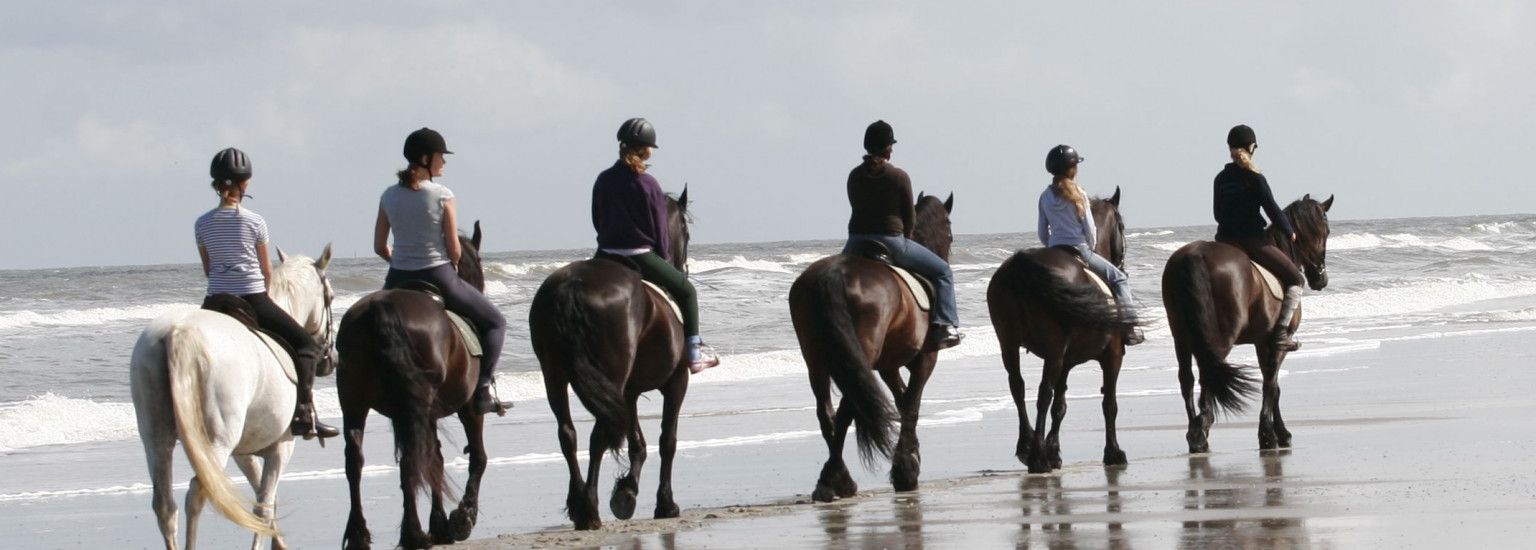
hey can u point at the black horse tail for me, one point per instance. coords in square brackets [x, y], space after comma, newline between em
[411, 390]
[1226, 383]
[1080, 306]
[579, 337]
[873, 414]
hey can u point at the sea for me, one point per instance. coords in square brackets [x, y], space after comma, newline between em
[66, 336]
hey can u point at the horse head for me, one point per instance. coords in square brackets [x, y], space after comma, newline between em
[470, 268]
[1310, 251]
[1111, 228]
[300, 283]
[678, 219]
[930, 227]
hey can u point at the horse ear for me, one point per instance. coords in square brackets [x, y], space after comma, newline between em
[1115, 199]
[474, 238]
[1328, 203]
[325, 258]
[281, 257]
[949, 203]
[920, 196]
[682, 200]
[1306, 197]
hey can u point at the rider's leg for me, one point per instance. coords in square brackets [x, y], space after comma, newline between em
[1274, 260]
[946, 317]
[1120, 285]
[306, 356]
[491, 326]
[654, 269]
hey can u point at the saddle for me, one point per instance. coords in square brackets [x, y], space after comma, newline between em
[241, 311]
[1092, 275]
[921, 288]
[466, 329]
[1270, 281]
[661, 293]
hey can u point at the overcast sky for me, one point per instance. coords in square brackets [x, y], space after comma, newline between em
[111, 111]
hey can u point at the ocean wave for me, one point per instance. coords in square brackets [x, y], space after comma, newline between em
[1503, 227]
[1413, 297]
[1357, 241]
[511, 270]
[736, 262]
[1169, 247]
[1148, 234]
[86, 317]
[51, 419]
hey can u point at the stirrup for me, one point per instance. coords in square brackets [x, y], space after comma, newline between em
[1285, 342]
[310, 428]
[488, 400]
[707, 359]
[943, 337]
[1134, 336]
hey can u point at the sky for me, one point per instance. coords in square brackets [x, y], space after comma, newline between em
[111, 111]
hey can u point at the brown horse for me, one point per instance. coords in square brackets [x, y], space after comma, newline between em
[400, 355]
[1044, 300]
[1215, 300]
[855, 318]
[597, 328]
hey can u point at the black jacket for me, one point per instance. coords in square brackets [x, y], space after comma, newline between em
[1239, 195]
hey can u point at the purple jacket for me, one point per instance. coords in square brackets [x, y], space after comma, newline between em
[629, 210]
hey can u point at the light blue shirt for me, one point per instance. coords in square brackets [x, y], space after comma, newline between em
[416, 221]
[1060, 225]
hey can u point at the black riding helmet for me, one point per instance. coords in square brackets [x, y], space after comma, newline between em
[878, 136]
[1061, 158]
[424, 142]
[1241, 136]
[637, 131]
[231, 165]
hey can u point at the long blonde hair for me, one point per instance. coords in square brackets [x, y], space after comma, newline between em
[1068, 189]
[1244, 158]
[634, 157]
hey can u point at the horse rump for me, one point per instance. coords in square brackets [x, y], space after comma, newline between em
[560, 301]
[410, 392]
[1077, 305]
[1187, 295]
[873, 413]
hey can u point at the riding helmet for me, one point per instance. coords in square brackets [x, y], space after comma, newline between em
[878, 136]
[230, 165]
[424, 142]
[1061, 158]
[1241, 136]
[638, 131]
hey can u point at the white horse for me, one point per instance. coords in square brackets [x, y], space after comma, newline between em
[204, 377]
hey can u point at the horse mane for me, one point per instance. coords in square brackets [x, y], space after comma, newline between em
[1306, 215]
[1117, 238]
[288, 278]
[687, 212]
[927, 223]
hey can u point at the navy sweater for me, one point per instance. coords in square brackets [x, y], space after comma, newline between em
[1239, 195]
[629, 210]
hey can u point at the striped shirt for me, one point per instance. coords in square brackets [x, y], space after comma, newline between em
[230, 236]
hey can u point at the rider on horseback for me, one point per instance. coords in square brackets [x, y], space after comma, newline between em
[629, 212]
[1240, 192]
[883, 211]
[1065, 221]
[232, 242]
[422, 216]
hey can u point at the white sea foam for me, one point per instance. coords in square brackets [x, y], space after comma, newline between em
[1418, 296]
[1148, 234]
[50, 419]
[519, 270]
[1170, 247]
[1500, 227]
[1356, 241]
[86, 317]
[737, 262]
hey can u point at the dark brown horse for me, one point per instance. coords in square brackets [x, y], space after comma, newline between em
[1044, 300]
[1216, 300]
[401, 355]
[855, 318]
[597, 328]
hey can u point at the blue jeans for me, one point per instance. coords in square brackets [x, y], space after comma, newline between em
[464, 300]
[915, 257]
[1119, 284]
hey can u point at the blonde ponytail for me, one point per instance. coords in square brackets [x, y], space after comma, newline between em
[634, 157]
[1244, 158]
[1067, 189]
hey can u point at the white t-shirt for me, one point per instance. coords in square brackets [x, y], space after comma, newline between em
[230, 236]
[416, 221]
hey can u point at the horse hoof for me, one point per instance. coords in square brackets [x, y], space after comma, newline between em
[823, 494]
[668, 510]
[589, 525]
[845, 487]
[1114, 457]
[357, 541]
[460, 524]
[415, 541]
[904, 472]
[622, 504]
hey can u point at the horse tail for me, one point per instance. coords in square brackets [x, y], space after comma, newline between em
[578, 336]
[1080, 306]
[412, 391]
[1228, 384]
[186, 361]
[873, 414]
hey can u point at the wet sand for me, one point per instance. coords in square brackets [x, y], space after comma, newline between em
[1428, 444]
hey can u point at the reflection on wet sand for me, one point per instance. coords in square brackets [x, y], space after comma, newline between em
[1236, 507]
[907, 515]
[1048, 519]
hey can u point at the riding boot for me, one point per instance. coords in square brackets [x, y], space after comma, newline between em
[1132, 335]
[700, 355]
[942, 336]
[486, 400]
[305, 422]
[1281, 337]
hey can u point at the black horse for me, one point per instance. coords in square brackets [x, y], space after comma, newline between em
[1044, 300]
[1216, 299]
[597, 328]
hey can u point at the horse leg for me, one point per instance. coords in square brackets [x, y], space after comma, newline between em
[253, 475]
[1113, 456]
[1017, 387]
[672, 405]
[906, 461]
[827, 418]
[1270, 368]
[354, 420]
[273, 460]
[835, 481]
[622, 500]
[1195, 436]
[195, 501]
[1058, 414]
[463, 519]
[595, 454]
[1038, 462]
[158, 451]
[582, 514]
[893, 381]
[437, 519]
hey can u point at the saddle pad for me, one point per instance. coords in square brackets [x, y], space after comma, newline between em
[1103, 287]
[676, 310]
[467, 332]
[1270, 281]
[283, 358]
[919, 292]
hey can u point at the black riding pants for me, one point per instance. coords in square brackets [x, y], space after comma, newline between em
[1267, 255]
